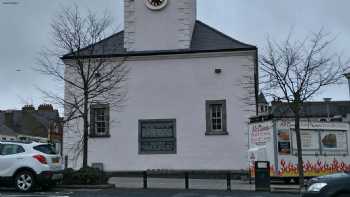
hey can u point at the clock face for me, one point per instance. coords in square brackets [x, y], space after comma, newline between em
[156, 4]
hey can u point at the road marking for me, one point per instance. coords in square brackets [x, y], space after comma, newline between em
[40, 194]
[30, 195]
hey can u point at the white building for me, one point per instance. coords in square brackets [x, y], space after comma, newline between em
[187, 93]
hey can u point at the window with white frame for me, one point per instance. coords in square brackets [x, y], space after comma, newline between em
[99, 120]
[216, 117]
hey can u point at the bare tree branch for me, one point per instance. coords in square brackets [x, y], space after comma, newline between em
[87, 80]
[295, 71]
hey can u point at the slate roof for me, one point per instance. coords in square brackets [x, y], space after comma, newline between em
[204, 39]
[262, 99]
[34, 123]
[4, 130]
[313, 109]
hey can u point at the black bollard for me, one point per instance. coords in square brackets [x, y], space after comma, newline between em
[145, 180]
[228, 178]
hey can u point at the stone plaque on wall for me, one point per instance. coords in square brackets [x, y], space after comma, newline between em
[157, 136]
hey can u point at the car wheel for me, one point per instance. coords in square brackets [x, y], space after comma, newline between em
[24, 181]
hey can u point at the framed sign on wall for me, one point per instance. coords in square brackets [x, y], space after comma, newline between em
[157, 136]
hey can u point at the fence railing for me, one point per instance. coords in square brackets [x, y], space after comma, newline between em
[228, 175]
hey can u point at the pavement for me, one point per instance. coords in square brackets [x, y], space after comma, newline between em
[142, 193]
[206, 184]
[162, 183]
[132, 187]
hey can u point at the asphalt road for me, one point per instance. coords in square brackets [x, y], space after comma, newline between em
[141, 193]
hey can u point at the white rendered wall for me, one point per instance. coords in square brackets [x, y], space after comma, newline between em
[162, 88]
[166, 29]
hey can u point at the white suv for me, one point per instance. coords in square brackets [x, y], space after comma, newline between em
[25, 165]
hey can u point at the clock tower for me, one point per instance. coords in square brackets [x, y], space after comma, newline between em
[153, 25]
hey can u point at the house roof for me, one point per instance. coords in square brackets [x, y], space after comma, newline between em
[262, 99]
[313, 109]
[4, 130]
[204, 39]
[29, 123]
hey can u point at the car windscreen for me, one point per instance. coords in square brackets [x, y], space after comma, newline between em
[46, 148]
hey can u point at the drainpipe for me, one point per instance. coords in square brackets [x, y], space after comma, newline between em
[347, 75]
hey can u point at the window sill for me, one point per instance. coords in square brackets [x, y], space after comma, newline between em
[158, 153]
[211, 133]
[100, 136]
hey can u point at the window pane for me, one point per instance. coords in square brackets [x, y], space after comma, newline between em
[20, 149]
[101, 131]
[103, 125]
[99, 124]
[46, 148]
[9, 149]
[216, 116]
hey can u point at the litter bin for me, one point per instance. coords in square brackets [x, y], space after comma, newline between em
[262, 176]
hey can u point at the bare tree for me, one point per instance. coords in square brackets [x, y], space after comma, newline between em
[294, 71]
[87, 78]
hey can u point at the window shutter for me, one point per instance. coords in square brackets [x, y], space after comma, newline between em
[92, 121]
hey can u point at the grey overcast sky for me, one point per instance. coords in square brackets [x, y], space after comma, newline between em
[25, 27]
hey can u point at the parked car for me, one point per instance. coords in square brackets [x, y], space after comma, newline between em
[334, 185]
[26, 165]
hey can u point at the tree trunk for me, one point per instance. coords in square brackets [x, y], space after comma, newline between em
[86, 132]
[299, 148]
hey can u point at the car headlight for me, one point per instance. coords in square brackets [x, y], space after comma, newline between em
[316, 187]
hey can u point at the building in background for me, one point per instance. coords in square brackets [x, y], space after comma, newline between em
[7, 133]
[324, 134]
[42, 125]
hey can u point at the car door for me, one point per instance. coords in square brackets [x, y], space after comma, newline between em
[2, 164]
[9, 159]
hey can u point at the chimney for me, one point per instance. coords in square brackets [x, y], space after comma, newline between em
[9, 119]
[45, 108]
[347, 75]
[28, 108]
[327, 100]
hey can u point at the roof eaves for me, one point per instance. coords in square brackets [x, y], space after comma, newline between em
[153, 53]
